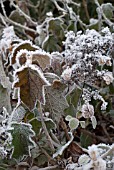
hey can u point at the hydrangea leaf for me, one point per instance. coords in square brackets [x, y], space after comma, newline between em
[22, 139]
[55, 101]
[31, 83]
[73, 123]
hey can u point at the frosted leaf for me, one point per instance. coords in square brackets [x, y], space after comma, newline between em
[68, 118]
[82, 123]
[83, 159]
[73, 123]
[18, 114]
[31, 83]
[60, 151]
[87, 110]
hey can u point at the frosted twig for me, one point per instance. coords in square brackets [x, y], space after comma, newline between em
[13, 22]
[45, 130]
[74, 3]
[103, 15]
[24, 14]
[3, 20]
[108, 152]
[58, 7]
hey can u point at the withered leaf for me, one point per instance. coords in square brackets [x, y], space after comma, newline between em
[25, 45]
[41, 59]
[31, 83]
[55, 101]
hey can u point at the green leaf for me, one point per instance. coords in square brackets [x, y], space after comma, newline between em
[55, 27]
[50, 44]
[22, 140]
[68, 118]
[73, 97]
[86, 140]
[108, 10]
[55, 101]
[73, 123]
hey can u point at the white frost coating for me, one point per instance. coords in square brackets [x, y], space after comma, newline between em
[84, 52]
[29, 55]
[7, 38]
[21, 43]
[5, 134]
[60, 151]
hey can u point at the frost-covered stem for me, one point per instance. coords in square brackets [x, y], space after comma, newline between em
[103, 15]
[100, 19]
[13, 22]
[74, 3]
[108, 152]
[44, 151]
[86, 10]
[58, 7]
[24, 14]
[3, 20]
[45, 130]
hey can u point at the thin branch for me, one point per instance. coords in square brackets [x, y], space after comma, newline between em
[58, 7]
[13, 22]
[45, 130]
[3, 20]
[86, 10]
[103, 15]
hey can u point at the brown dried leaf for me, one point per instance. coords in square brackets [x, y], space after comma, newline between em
[40, 59]
[25, 45]
[31, 83]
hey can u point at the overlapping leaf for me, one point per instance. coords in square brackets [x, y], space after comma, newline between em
[31, 83]
[22, 139]
[55, 101]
